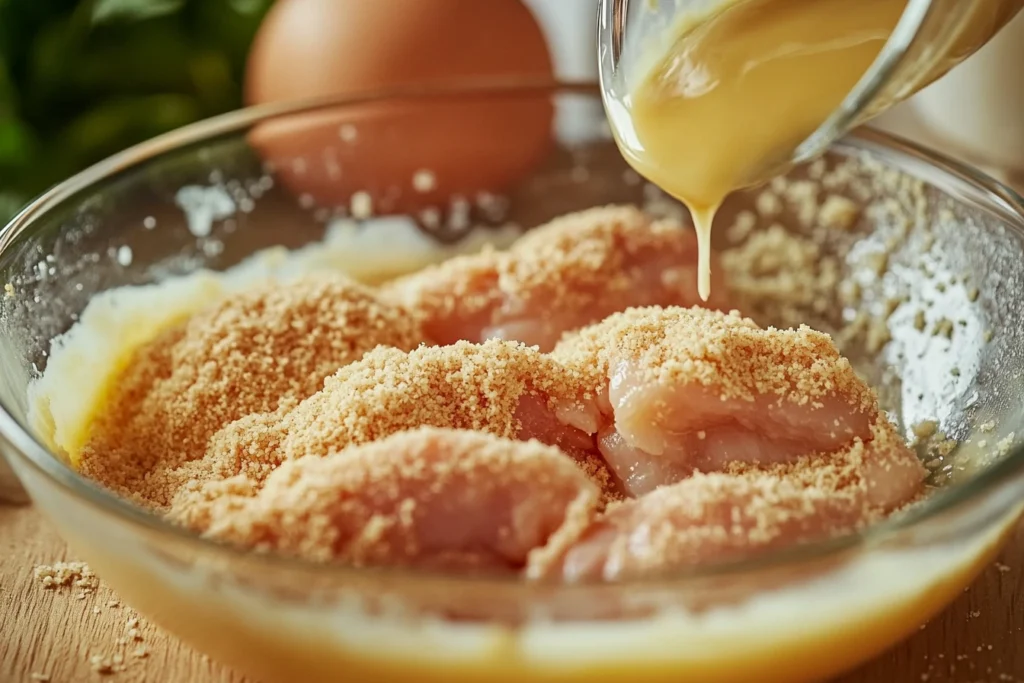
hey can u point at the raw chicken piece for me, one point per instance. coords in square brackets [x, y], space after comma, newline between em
[722, 517]
[696, 390]
[569, 273]
[503, 388]
[437, 498]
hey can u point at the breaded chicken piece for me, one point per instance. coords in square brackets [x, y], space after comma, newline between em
[687, 390]
[251, 353]
[427, 498]
[572, 272]
[502, 388]
[737, 514]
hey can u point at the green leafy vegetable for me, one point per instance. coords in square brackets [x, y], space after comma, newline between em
[83, 79]
[110, 10]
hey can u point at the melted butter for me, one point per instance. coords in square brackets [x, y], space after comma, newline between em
[742, 85]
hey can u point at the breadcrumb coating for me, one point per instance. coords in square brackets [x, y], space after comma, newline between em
[269, 346]
[726, 352]
[687, 390]
[739, 513]
[319, 420]
[571, 272]
[438, 498]
[483, 387]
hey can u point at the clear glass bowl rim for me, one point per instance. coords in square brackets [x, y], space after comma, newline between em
[892, 150]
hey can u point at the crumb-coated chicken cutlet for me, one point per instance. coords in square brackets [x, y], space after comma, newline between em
[559, 277]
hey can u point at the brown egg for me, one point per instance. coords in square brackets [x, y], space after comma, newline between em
[408, 153]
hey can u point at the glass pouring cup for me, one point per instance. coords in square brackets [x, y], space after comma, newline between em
[930, 38]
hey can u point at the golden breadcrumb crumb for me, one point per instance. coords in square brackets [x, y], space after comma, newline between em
[67, 575]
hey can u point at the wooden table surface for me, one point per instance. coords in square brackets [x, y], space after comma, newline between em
[979, 639]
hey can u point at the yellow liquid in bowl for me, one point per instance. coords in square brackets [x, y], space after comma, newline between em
[797, 634]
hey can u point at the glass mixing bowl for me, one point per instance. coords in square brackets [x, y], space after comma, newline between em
[925, 248]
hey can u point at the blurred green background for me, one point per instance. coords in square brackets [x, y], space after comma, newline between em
[82, 79]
